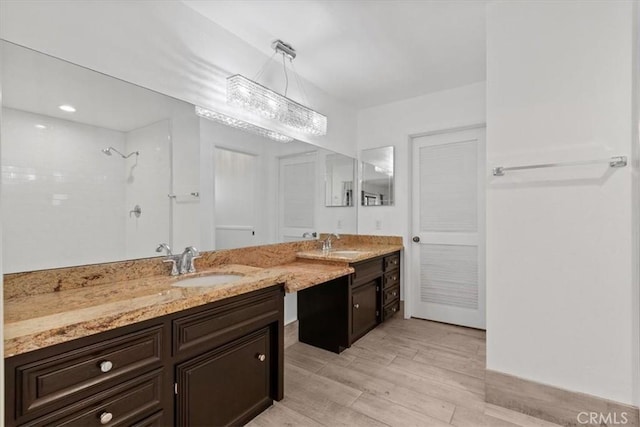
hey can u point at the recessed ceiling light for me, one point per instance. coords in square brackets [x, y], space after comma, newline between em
[39, 126]
[67, 108]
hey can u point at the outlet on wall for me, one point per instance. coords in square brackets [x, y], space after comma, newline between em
[339, 225]
[378, 224]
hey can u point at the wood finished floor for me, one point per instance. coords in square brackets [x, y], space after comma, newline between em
[403, 373]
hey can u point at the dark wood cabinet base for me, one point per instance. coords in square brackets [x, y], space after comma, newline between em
[218, 364]
[335, 314]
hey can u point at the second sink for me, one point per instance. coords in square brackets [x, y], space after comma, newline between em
[346, 254]
[207, 281]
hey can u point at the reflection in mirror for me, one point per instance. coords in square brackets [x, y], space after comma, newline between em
[377, 177]
[86, 164]
[267, 191]
[339, 179]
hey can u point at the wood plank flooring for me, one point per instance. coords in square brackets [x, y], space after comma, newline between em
[403, 373]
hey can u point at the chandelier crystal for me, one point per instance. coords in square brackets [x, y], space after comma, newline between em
[241, 124]
[254, 97]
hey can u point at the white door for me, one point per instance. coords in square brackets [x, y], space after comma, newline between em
[235, 199]
[297, 196]
[448, 227]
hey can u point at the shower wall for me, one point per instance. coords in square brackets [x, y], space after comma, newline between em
[62, 196]
[147, 184]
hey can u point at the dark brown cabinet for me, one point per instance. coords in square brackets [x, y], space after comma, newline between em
[364, 309]
[335, 314]
[217, 364]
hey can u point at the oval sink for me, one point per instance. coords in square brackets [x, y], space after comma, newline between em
[207, 281]
[346, 254]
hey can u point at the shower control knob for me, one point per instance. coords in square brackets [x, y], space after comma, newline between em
[416, 239]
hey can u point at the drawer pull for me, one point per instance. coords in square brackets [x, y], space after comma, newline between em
[356, 306]
[105, 417]
[395, 277]
[395, 294]
[394, 309]
[261, 357]
[105, 366]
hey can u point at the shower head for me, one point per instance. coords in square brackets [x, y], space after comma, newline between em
[108, 152]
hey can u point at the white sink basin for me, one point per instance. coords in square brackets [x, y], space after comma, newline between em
[346, 254]
[207, 281]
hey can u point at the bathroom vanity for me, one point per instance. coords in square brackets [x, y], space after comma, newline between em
[217, 364]
[125, 344]
[336, 314]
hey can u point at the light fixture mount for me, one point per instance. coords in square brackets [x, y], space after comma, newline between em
[281, 47]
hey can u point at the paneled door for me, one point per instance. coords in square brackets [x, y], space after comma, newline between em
[297, 194]
[448, 227]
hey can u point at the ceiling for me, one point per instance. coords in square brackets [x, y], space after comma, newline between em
[366, 53]
[38, 83]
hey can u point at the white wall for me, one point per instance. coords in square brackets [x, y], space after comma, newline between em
[560, 257]
[60, 173]
[147, 184]
[161, 45]
[392, 124]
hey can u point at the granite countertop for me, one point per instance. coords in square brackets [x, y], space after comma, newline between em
[35, 321]
[358, 253]
[38, 321]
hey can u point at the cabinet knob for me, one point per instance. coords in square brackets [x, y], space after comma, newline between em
[106, 417]
[261, 357]
[106, 365]
[395, 277]
[356, 306]
[394, 309]
[395, 294]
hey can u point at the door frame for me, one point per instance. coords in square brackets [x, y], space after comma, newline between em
[409, 291]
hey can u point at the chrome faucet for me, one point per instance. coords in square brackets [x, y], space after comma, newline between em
[326, 243]
[186, 260]
[180, 264]
[170, 257]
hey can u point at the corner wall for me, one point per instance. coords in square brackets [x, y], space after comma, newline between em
[561, 260]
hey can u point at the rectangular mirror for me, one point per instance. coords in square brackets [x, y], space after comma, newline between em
[95, 169]
[270, 192]
[86, 164]
[377, 188]
[340, 172]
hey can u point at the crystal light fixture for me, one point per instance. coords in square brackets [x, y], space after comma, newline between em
[241, 124]
[254, 97]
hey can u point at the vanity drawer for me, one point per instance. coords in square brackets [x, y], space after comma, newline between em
[66, 377]
[391, 262]
[391, 279]
[121, 405]
[225, 322]
[390, 310]
[366, 271]
[390, 295]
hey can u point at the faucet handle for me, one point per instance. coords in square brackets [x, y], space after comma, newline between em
[192, 268]
[174, 266]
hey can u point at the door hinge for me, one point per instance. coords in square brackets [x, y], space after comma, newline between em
[175, 388]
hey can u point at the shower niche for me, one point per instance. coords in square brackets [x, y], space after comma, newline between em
[86, 164]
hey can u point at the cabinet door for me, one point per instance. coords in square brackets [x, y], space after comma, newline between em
[364, 309]
[226, 386]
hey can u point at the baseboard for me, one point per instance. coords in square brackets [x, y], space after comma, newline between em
[290, 334]
[553, 404]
